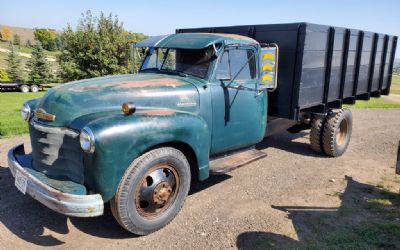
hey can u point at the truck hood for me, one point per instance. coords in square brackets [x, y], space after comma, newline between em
[86, 98]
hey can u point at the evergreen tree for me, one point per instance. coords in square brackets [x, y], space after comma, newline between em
[16, 40]
[39, 67]
[14, 65]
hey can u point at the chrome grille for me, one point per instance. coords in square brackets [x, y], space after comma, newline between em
[56, 152]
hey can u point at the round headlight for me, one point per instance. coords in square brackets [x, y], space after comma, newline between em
[25, 112]
[86, 139]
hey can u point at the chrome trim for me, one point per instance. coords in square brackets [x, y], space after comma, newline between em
[29, 112]
[89, 132]
[64, 203]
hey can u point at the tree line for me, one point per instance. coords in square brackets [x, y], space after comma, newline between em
[97, 46]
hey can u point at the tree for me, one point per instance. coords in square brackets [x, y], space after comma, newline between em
[6, 33]
[16, 40]
[39, 67]
[4, 76]
[98, 47]
[28, 43]
[47, 38]
[14, 65]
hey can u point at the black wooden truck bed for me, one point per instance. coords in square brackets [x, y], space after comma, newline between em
[321, 67]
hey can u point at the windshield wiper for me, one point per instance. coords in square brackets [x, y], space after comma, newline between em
[151, 69]
[172, 72]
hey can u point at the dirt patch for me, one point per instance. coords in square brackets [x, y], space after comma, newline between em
[276, 202]
[393, 98]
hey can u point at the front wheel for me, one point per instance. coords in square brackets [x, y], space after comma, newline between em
[152, 191]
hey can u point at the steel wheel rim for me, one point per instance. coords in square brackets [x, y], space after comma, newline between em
[157, 191]
[341, 135]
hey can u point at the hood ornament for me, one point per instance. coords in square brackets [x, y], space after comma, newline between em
[43, 115]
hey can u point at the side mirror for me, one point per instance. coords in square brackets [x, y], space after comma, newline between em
[269, 67]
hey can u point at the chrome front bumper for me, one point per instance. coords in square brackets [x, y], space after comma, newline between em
[61, 202]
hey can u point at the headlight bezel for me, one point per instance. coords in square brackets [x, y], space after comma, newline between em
[86, 140]
[26, 112]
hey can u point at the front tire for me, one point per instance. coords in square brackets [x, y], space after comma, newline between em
[152, 191]
[337, 132]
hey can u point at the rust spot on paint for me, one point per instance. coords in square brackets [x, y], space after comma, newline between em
[168, 82]
[157, 112]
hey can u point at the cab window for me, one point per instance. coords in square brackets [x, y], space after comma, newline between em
[232, 61]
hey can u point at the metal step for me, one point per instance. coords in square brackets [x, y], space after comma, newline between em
[233, 161]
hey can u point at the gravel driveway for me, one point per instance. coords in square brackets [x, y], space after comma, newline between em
[227, 211]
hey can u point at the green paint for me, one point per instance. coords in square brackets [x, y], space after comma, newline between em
[171, 108]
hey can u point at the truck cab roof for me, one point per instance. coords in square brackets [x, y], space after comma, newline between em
[194, 40]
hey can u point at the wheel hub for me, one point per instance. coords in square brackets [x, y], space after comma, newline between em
[157, 190]
[341, 134]
[161, 193]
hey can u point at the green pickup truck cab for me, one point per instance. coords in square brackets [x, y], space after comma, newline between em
[197, 107]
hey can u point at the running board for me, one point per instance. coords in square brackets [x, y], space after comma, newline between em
[231, 162]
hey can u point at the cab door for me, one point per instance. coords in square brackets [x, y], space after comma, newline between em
[238, 109]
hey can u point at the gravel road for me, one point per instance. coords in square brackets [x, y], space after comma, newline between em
[227, 211]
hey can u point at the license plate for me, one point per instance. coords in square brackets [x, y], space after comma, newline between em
[21, 182]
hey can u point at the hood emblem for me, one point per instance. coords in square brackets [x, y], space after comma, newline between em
[43, 115]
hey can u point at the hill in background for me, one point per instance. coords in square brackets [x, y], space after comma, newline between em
[24, 33]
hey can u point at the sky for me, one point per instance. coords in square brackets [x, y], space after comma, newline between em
[163, 17]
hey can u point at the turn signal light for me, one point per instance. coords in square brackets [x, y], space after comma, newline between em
[128, 108]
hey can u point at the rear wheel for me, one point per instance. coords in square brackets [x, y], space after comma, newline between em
[317, 124]
[337, 132]
[24, 88]
[34, 88]
[152, 191]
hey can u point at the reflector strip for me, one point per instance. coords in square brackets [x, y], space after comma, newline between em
[267, 67]
[266, 78]
[268, 56]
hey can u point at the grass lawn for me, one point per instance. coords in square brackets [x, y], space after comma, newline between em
[395, 88]
[375, 103]
[11, 122]
[24, 49]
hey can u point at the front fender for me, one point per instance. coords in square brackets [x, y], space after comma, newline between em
[120, 139]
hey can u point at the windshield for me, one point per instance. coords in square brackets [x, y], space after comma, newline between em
[187, 61]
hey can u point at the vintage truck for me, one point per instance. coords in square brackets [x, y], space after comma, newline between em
[201, 102]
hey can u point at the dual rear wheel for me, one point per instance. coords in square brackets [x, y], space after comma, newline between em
[331, 134]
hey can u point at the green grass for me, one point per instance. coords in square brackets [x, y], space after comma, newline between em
[11, 122]
[395, 88]
[381, 102]
[24, 49]
[375, 103]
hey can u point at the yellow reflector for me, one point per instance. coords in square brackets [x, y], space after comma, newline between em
[267, 67]
[268, 56]
[266, 78]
